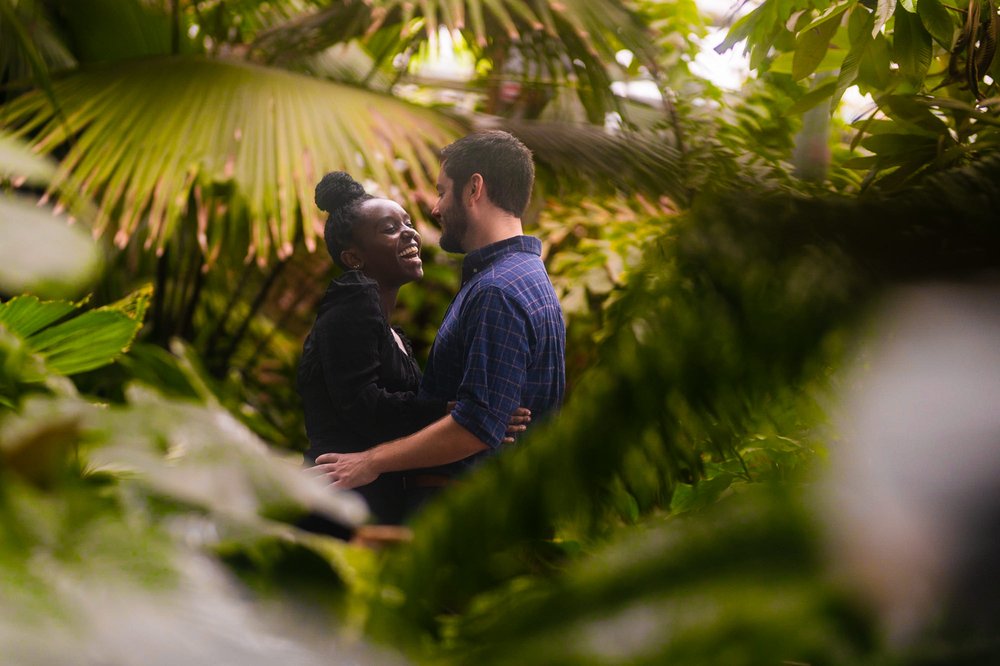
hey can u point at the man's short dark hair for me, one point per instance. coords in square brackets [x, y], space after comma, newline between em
[503, 161]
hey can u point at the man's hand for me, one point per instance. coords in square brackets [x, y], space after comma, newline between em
[347, 470]
[440, 443]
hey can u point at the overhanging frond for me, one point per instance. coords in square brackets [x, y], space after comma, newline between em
[29, 48]
[554, 41]
[588, 156]
[237, 147]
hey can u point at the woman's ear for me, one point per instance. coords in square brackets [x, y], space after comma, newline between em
[352, 259]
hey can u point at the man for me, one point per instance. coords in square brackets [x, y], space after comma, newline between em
[502, 342]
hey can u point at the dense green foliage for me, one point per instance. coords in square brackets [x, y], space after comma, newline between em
[716, 275]
[929, 67]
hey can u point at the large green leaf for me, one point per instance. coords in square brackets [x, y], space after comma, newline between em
[938, 21]
[859, 24]
[812, 43]
[874, 69]
[78, 344]
[26, 315]
[912, 113]
[89, 341]
[244, 144]
[133, 550]
[911, 47]
[201, 455]
[820, 92]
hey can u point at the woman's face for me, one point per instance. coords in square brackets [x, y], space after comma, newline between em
[386, 243]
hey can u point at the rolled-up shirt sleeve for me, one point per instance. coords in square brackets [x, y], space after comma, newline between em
[497, 344]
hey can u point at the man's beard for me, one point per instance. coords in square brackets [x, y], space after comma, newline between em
[453, 233]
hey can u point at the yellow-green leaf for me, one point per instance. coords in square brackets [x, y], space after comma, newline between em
[812, 43]
[26, 315]
[93, 339]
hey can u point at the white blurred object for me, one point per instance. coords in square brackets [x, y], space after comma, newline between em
[197, 615]
[43, 254]
[914, 493]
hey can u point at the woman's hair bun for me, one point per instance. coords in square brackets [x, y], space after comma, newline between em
[337, 190]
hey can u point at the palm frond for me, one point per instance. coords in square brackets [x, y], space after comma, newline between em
[585, 156]
[234, 21]
[313, 32]
[237, 147]
[555, 42]
[29, 47]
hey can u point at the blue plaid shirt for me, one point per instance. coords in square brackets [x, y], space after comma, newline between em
[501, 345]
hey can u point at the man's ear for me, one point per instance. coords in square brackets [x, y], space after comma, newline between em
[477, 187]
[352, 259]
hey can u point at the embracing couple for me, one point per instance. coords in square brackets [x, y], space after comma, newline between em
[374, 423]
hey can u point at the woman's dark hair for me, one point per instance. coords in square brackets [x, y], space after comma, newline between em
[340, 195]
[503, 161]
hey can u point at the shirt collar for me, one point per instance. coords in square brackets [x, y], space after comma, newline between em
[479, 259]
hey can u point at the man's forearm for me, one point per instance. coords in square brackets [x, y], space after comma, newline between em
[440, 443]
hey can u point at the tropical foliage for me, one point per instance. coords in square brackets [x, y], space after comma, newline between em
[713, 255]
[929, 67]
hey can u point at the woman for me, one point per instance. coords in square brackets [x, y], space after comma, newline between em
[357, 376]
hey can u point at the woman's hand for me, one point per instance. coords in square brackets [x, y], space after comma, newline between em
[517, 424]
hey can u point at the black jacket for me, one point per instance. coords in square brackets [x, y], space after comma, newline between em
[358, 387]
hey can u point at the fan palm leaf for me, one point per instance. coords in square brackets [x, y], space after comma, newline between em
[235, 146]
[556, 41]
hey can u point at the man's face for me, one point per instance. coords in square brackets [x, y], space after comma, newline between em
[450, 211]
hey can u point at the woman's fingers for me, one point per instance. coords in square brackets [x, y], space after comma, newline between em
[521, 417]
